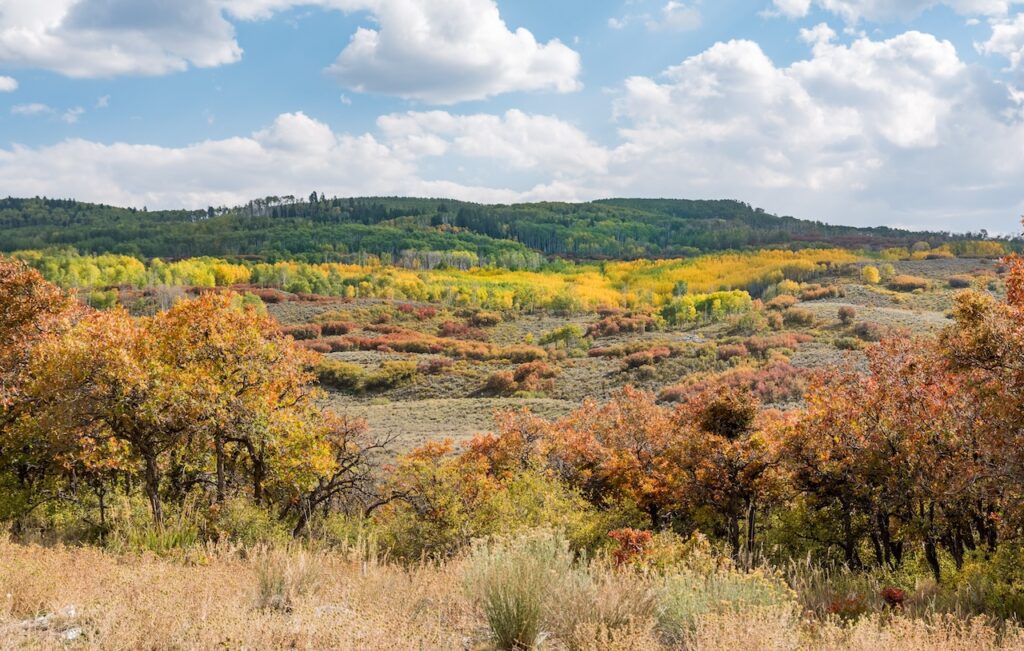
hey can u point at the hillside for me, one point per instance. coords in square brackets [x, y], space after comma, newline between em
[514, 236]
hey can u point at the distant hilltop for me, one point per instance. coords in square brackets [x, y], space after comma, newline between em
[317, 228]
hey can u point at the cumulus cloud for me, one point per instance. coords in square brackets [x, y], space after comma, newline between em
[8, 84]
[899, 129]
[293, 154]
[676, 16]
[439, 51]
[101, 38]
[1007, 40]
[855, 10]
[521, 140]
[448, 51]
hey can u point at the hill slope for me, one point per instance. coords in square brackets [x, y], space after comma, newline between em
[514, 236]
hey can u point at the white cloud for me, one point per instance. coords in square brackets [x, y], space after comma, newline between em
[294, 154]
[440, 51]
[1007, 40]
[898, 131]
[31, 109]
[521, 141]
[855, 10]
[8, 84]
[103, 102]
[793, 8]
[72, 115]
[676, 16]
[448, 51]
[102, 38]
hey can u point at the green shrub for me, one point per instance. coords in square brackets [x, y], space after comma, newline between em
[960, 282]
[687, 595]
[391, 374]
[512, 581]
[245, 523]
[570, 334]
[848, 343]
[137, 532]
[342, 376]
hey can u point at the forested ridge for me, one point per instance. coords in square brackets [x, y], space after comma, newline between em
[319, 229]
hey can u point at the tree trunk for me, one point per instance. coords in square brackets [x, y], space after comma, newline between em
[152, 481]
[932, 555]
[751, 532]
[221, 482]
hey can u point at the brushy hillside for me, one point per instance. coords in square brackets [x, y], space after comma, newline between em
[822, 452]
[427, 232]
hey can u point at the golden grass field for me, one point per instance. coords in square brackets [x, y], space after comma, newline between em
[84, 598]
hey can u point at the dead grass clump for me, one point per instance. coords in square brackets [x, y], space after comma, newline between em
[283, 576]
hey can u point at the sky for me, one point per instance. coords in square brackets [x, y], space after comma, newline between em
[906, 113]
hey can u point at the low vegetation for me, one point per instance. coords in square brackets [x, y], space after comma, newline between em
[716, 474]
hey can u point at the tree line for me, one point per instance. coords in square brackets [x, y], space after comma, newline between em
[321, 229]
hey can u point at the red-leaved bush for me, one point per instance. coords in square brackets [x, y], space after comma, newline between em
[633, 545]
[776, 383]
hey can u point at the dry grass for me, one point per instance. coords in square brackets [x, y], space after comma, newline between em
[84, 598]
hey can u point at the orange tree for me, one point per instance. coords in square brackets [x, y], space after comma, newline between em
[727, 459]
[986, 347]
[203, 395]
[30, 309]
[622, 450]
[894, 455]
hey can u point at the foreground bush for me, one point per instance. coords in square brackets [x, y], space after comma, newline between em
[512, 583]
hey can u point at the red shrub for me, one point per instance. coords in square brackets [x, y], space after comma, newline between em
[782, 302]
[435, 366]
[335, 328]
[532, 376]
[459, 330]
[728, 351]
[300, 332]
[817, 292]
[485, 319]
[777, 383]
[761, 345]
[894, 597]
[501, 383]
[633, 545]
[316, 345]
[613, 325]
[645, 357]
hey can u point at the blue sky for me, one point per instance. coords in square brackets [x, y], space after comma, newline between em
[899, 112]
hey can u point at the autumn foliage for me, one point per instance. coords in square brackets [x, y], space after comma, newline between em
[205, 397]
